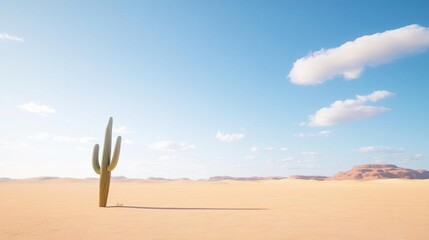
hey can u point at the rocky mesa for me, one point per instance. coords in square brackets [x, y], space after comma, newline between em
[380, 171]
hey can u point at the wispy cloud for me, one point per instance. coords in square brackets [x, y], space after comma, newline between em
[13, 145]
[268, 149]
[380, 149]
[8, 37]
[229, 137]
[171, 146]
[37, 108]
[324, 133]
[381, 154]
[350, 59]
[349, 110]
[310, 154]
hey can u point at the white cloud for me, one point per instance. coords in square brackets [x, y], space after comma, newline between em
[380, 149]
[254, 149]
[13, 145]
[170, 146]
[310, 154]
[120, 130]
[382, 154]
[128, 141]
[229, 137]
[268, 149]
[324, 133]
[37, 108]
[249, 157]
[41, 136]
[7, 37]
[351, 58]
[349, 110]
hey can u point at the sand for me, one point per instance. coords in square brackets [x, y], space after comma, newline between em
[272, 209]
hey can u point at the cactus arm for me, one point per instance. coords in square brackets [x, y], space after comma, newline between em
[107, 146]
[95, 164]
[115, 156]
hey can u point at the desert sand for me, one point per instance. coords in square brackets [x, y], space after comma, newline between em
[269, 209]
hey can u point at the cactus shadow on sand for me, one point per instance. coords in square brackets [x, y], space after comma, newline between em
[190, 208]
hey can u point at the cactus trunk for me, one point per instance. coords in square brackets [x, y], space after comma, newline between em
[107, 166]
[104, 187]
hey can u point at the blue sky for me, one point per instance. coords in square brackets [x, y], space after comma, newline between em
[205, 88]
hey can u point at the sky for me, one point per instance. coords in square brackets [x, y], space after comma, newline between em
[207, 88]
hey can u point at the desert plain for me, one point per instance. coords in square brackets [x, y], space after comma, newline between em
[183, 209]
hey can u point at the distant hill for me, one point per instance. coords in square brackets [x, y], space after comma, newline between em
[380, 171]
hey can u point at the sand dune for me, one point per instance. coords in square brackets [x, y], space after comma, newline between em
[269, 209]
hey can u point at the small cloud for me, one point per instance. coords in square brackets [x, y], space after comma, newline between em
[324, 133]
[41, 136]
[128, 141]
[249, 157]
[310, 154]
[349, 110]
[254, 149]
[286, 159]
[350, 59]
[300, 135]
[382, 154]
[380, 149]
[120, 130]
[283, 149]
[319, 134]
[6, 37]
[37, 108]
[13, 145]
[170, 146]
[229, 137]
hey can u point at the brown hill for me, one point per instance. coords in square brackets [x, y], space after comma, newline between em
[381, 171]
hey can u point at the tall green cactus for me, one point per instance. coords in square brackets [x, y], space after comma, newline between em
[108, 163]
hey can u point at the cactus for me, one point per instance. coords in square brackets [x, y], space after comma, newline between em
[108, 163]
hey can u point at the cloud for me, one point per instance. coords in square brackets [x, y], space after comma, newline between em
[351, 58]
[37, 108]
[310, 154]
[268, 149]
[7, 37]
[13, 145]
[349, 110]
[382, 154]
[128, 141]
[380, 149]
[324, 133]
[170, 146]
[229, 137]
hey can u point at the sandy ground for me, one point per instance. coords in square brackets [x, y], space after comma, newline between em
[282, 209]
